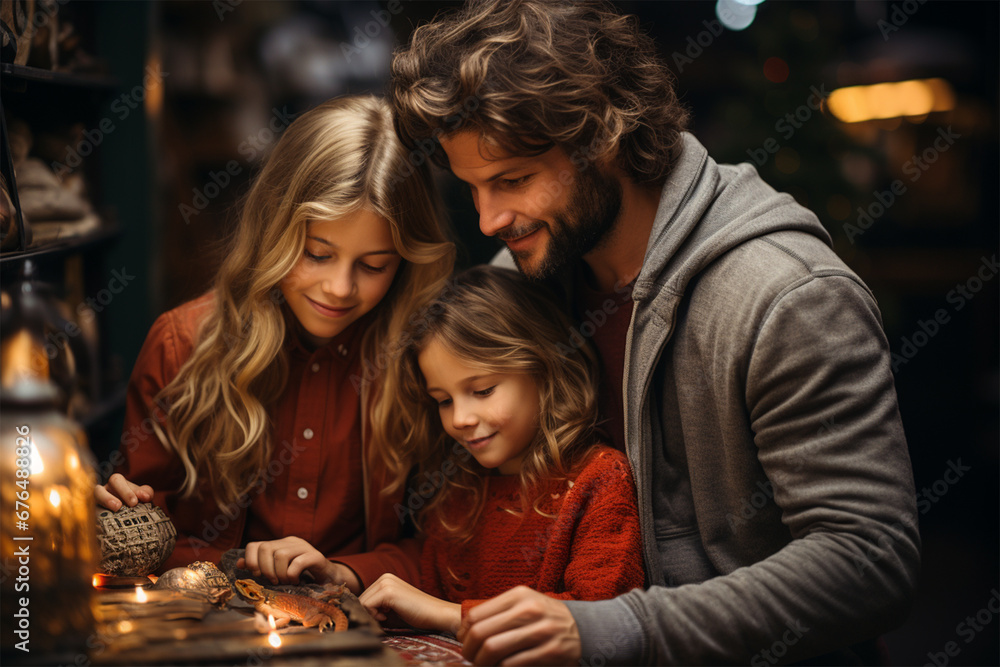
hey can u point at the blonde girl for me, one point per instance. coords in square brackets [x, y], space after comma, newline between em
[498, 413]
[247, 407]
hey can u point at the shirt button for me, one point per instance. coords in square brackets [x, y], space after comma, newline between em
[307, 434]
[315, 368]
[302, 493]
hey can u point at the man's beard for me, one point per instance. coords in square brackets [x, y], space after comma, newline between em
[583, 225]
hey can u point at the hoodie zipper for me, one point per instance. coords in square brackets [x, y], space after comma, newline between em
[637, 453]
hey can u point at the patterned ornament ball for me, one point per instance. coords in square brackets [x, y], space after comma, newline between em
[134, 540]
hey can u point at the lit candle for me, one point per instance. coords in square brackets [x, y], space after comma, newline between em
[140, 595]
[273, 638]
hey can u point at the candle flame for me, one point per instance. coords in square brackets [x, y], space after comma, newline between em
[36, 466]
[272, 637]
[95, 581]
[140, 595]
[54, 498]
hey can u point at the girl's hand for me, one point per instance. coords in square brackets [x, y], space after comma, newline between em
[119, 489]
[412, 605]
[283, 561]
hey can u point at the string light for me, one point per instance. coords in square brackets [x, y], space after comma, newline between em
[913, 98]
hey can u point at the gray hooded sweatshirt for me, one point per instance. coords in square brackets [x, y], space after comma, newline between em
[774, 484]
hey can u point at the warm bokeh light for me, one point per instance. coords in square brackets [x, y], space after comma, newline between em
[36, 467]
[838, 206]
[154, 86]
[54, 498]
[901, 99]
[140, 595]
[776, 70]
[273, 638]
[787, 160]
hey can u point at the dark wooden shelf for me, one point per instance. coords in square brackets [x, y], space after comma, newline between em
[14, 73]
[62, 247]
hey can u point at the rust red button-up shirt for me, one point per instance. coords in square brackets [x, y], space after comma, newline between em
[314, 486]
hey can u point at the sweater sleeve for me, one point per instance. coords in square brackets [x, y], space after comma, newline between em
[400, 558]
[142, 458]
[845, 493]
[603, 544]
[605, 551]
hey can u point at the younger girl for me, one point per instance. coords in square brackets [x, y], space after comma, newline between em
[246, 406]
[527, 495]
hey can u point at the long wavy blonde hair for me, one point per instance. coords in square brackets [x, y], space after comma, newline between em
[333, 160]
[533, 74]
[494, 319]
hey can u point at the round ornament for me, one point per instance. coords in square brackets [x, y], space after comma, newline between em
[134, 540]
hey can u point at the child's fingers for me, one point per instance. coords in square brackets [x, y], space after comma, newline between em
[250, 557]
[123, 489]
[265, 562]
[302, 562]
[106, 499]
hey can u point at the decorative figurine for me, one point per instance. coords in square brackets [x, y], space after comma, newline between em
[134, 540]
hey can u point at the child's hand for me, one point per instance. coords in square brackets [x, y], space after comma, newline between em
[283, 561]
[118, 490]
[390, 593]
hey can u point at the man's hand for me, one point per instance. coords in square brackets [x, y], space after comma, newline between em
[283, 561]
[520, 627]
[412, 605]
[119, 489]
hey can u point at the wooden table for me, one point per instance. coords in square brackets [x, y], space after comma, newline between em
[175, 629]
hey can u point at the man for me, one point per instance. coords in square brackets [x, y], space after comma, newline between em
[748, 377]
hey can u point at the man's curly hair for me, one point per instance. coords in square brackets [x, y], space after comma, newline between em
[533, 74]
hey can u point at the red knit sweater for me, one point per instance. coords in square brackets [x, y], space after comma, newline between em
[590, 550]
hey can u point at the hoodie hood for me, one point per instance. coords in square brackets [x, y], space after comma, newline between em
[705, 210]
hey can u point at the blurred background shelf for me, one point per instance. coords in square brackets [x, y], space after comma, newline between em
[77, 103]
[17, 77]
[61, 247]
